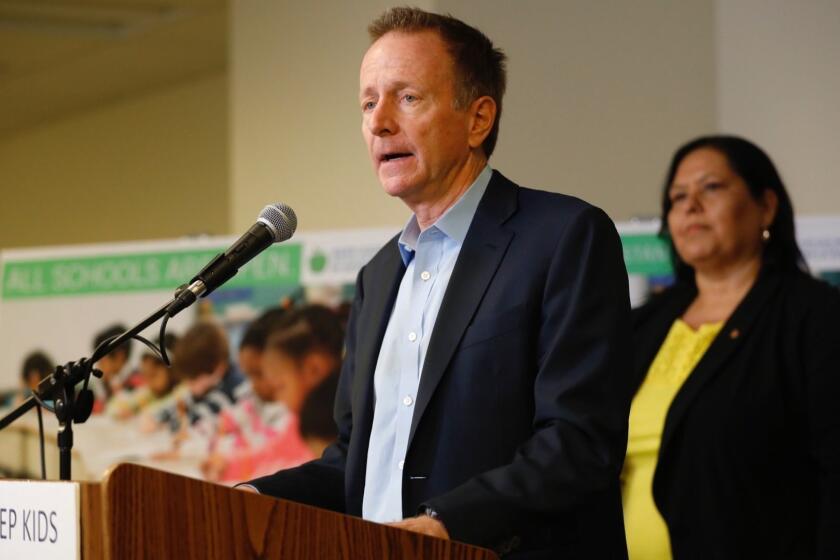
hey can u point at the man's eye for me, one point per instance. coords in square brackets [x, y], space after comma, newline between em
[410, 98]
[368, 105]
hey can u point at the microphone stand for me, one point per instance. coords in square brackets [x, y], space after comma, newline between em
[61, 385]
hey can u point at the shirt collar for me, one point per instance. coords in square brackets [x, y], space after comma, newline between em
[454, 223]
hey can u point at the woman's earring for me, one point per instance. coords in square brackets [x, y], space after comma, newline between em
[765, 235]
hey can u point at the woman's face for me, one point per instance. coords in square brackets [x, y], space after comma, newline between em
[714, 221]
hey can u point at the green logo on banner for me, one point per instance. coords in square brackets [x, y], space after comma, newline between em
[139, 272]
[318, 262]
[646, 254]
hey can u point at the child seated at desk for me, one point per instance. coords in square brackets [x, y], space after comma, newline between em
[36, 367]
[200, 362]
[304, 349]
[157, 391]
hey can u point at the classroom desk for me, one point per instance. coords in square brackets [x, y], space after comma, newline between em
[99, 443]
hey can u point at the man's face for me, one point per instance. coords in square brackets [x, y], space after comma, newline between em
[417, 140]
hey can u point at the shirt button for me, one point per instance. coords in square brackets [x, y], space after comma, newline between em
[425, 275]
[400, 465]
[412, 336]
[408, 400]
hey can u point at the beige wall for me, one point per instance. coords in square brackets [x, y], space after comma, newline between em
[296, 135]
[779, 85]
[153, 166]
[600, 94]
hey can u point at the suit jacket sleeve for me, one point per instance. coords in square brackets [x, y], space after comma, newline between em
[582, 394]
[821, 361]
[320, 482]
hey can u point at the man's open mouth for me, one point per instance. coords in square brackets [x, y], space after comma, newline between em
[396, 156]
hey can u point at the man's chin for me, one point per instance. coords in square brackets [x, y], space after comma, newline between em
[399, 187]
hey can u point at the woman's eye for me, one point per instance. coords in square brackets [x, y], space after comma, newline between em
[712, 186]
[677, 197]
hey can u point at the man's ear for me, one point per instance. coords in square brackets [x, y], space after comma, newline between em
[482, 117]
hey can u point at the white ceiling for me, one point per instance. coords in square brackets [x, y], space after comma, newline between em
[58, 57]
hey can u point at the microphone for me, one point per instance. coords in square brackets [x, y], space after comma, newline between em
[276, 223]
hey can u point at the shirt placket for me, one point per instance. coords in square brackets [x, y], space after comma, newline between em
[426, 259]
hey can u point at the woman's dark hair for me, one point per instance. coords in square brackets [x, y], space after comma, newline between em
[756, 168]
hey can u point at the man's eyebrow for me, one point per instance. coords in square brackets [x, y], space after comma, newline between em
[393, 86]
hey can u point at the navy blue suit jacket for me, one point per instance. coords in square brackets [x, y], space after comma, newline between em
[520, 426]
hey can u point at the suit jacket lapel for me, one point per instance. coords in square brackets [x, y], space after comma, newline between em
[728, 340]
[482, 252]
[371, 328]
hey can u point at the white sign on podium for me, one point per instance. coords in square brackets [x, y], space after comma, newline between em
[39, 520]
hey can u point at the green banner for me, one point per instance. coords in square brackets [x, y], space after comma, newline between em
[140, 272]
[646, 254]
[280, 265]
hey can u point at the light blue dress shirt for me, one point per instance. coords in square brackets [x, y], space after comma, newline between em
[429, 257]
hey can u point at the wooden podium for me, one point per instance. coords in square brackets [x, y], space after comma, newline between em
[137, 512]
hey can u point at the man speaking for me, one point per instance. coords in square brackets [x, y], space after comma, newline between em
[484, 392]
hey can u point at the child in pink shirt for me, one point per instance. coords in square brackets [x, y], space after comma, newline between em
[301, 350]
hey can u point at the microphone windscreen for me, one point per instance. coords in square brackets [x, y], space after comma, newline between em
[280, 219]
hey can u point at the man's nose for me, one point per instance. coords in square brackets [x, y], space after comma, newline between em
[381, 121]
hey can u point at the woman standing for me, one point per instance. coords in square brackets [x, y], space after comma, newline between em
[735, 426]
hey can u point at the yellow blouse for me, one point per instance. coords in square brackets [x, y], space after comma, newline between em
[647, 534]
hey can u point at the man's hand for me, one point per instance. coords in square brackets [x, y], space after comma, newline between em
[424, 525]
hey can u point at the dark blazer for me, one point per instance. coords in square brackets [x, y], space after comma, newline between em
[519, 430]
[749, 465]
